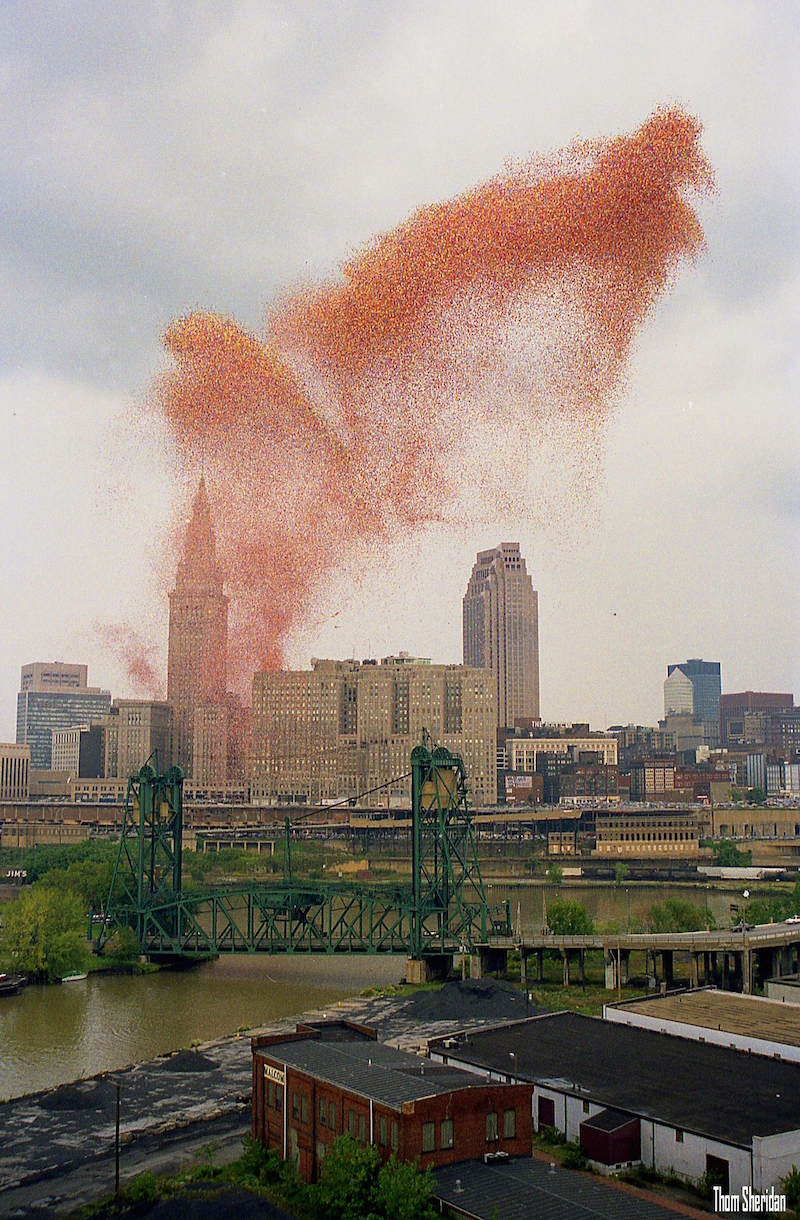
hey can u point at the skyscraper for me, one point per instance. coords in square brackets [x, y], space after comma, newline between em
[692, 688]
[501, 630]
[54, 695]
[198, 633]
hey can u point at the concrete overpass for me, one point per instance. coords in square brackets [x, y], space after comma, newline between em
[729, 959]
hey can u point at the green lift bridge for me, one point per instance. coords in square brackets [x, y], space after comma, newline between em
[444, 911]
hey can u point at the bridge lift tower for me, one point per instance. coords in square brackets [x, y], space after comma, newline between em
[442, 913]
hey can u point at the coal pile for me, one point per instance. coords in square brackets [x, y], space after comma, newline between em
[469, 1000]
[189, 1061]
[88, 1095]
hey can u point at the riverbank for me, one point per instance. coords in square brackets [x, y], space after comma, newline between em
[196, 1093]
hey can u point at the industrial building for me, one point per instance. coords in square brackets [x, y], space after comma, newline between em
[724, 1018]
[334, 1077]
[688, 1107]
[638, 835]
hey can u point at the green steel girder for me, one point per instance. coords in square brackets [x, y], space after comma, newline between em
[444, 910]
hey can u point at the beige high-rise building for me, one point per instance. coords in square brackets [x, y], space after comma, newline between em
[501, 630]
[344, 728]
[143, 733]
[15, 763]
[198, 633]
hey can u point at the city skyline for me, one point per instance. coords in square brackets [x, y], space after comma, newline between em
[685, 544]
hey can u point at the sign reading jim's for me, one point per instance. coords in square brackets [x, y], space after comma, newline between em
[748, 1201]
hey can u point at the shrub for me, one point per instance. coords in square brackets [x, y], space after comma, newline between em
[569, 919]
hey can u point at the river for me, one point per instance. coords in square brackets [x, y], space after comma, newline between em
[50, 1035]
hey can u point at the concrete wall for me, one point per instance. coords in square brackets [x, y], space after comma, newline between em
[661, 1148]
[773, 1158]
[688, 1158]
[783, 990]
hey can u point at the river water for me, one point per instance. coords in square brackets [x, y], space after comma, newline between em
[50, 1035]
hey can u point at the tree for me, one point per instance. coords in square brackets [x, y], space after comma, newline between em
[569, 919]
[405, 1192]
[678, 915]
[44, 933]
[621, 872]
[728, 855]
[554, 874]
[349, 1180]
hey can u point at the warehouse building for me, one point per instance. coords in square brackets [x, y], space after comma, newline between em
[746, 1022]
[330, 1078]
[629, 1095]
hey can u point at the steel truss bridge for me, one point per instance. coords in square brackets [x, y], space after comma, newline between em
[444, 910]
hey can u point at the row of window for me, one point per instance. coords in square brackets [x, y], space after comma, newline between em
[388, 1133]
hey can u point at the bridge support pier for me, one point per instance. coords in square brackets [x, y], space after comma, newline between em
[426, 969]
[667, 966]
[582, 966]
[488, 960]
[694, 970]
[565, 963]
[707, 969]
[615, 959]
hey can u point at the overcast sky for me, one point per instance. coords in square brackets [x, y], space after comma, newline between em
[160, 157]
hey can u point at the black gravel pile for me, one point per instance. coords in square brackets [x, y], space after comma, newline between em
[88, 1095]
[189, 1061]
[469, 1000]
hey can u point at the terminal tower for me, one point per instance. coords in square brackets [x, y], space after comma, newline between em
[198, 634]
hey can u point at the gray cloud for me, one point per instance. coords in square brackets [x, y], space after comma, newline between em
[163, 156]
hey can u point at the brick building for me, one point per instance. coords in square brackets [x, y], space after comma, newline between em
[330, 1078]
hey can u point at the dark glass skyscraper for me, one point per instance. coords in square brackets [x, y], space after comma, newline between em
[693, 688]
[55, 695]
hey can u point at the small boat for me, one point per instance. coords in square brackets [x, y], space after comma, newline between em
[10, 984]
[74, 976]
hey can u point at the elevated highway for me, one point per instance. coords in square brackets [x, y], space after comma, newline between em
[732, 959]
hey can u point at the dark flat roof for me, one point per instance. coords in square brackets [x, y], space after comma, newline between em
[527, 1189]
[725, 1094]
[371, 1069]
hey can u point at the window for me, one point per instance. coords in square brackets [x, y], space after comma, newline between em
[295, 1106]
[279, 1097]
[491, 1126]
[304, 1109]
[447, 1133]
[382, 1132]
[320, 1150]
[362, 1128]
[509, 1125]
[323, 1112]
[429, 1137]
[586, 1107]
[351, 1123]
[271, 1094]
[332, 1115]
[394, 1142]
[678, 1136]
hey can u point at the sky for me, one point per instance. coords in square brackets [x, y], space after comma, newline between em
[161, 157]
